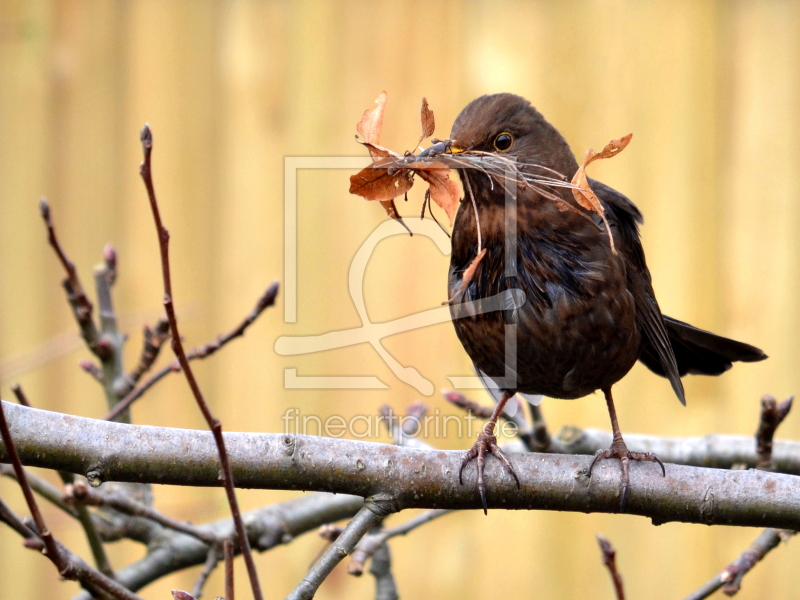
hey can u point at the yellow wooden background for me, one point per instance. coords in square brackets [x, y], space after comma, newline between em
[710, 90]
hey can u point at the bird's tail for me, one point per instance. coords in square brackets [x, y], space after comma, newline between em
[700, 352]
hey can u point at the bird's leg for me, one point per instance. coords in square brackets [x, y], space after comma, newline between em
[487, 442]
[619, 450]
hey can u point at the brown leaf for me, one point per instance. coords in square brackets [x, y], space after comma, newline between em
[444, 191]
[375, 150]
[470, 272]
[391, 210]
[584, 195]
[370, 125]
[376, 183]
[428, 123]
[613, 148]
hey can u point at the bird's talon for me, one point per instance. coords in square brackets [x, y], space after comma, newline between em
[486, 442]
[620, 451]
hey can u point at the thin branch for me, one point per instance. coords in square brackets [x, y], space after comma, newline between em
[609, 560]
[20, 395]
[374, 511]
[772, 415]
[266, 300]
[81, 305]
[69, 566]
[42, 487]
[381, 569]
[82, 493]
[730, 578]
[92, 369]
[177, 346]
[227, 549]
[92, 535]
[542, 440]
[267, 527]
[211, 563]
[371, 544]
[153, 340]
[521, 428]
[405, 431]
[8, 517]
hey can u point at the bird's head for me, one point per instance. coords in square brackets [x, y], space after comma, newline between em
[507, 125]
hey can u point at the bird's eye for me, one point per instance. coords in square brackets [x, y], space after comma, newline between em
[503, 142]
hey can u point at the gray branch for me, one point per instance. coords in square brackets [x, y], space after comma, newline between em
[414, 478]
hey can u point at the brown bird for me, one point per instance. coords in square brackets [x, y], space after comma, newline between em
[588, 313]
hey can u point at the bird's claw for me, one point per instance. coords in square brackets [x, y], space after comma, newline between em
[486, 442]
[620, 450]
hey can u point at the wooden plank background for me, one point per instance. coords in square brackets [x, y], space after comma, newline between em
[710, 90]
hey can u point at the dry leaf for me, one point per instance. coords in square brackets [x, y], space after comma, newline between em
[470, 272]
[444, 191]
[428, 123]
[377, 183]
[388, 178]
[375, 150]
[371, 123]
[584, 195]
[613, 148]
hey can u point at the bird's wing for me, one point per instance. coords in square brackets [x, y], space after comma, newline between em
[624, 218]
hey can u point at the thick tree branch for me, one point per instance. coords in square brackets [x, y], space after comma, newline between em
[416, 478]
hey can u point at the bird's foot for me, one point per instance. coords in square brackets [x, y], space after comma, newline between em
[486, 442]
[619, 450]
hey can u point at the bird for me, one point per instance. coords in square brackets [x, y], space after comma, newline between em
[589, 312]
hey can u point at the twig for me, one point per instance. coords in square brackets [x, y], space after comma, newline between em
[227, 549]
[401, 428]
[20, 395]
[772, 415]
[81, 305]
[730, 578]
[372, 543]
[92, 535]
[374, 511]
[82, 493]
[211, 563]
[111, 340]
[271, 525]
[153, 340]
[542, 440]
[92, 369]
[177, 346]
[381, 569]
[609, 560]
[12, 520]
[484, 412]
[42, 487]
[266, 300]
[69, 566]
